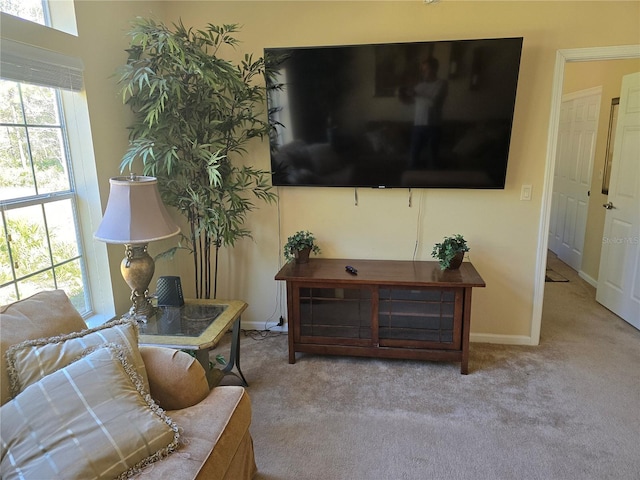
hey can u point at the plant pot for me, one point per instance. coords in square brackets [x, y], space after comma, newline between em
[302, 256]
[456, 261]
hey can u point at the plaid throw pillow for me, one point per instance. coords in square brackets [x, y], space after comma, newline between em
[91, 419]
[31, 360]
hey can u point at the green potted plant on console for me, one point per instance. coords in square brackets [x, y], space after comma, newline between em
[299, 246]
[450, 252]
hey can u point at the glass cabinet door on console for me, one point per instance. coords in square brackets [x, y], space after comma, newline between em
[342, 314]
[420, 318]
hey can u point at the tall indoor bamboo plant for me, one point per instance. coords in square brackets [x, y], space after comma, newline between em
[194, 114]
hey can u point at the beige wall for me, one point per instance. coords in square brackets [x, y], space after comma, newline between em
[502, 230]
[581, 76]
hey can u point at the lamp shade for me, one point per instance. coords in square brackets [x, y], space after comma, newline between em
[135, 213]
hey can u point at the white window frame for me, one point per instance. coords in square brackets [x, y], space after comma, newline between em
[88, 206]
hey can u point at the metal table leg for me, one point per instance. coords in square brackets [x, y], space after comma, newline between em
[234, 359]
[214, 375]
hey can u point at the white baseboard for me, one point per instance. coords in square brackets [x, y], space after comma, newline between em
[500, 339]
[590, 280]
[474, 337]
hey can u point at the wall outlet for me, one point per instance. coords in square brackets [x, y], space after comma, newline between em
[525, 193]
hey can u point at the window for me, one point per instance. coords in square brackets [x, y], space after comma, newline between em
[40, 242]
[40, 248]
[33, 10]
[49, 196]
[57, 14]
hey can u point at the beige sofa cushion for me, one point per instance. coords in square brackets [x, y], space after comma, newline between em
[31, 360]
[110, 426]
[176, 379]
[216, 440]
[41, 315]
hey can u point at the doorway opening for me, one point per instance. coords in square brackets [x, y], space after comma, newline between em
[562, 58]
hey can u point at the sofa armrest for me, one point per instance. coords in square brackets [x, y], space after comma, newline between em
[176, 379]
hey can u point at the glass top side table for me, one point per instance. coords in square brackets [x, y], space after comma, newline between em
[198, 326]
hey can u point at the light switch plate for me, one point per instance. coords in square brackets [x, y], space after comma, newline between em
[525, 193]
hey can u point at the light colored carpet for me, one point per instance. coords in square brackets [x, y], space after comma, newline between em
[567, 409]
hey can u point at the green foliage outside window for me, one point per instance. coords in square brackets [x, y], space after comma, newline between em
[30, 132]
[32, 10]
[34, 265]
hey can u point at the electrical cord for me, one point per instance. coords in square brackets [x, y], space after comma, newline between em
[418, 226]
[261, 334]
[279, 287]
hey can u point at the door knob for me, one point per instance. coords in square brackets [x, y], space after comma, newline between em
[608, 206]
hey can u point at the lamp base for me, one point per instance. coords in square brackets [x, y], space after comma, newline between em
[137, 269]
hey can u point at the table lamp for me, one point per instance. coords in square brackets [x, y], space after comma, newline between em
[135, 216]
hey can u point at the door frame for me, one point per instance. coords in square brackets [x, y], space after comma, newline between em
[562, 57]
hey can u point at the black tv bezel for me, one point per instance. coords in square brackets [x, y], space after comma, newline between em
[500, 186]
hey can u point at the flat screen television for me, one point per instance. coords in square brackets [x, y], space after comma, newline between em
[434, 114]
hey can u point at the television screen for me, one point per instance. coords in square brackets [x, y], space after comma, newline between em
[422, 114]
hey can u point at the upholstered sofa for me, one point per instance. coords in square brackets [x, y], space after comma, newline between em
[179, 428]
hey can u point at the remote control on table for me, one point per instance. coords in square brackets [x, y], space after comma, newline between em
[351, 270]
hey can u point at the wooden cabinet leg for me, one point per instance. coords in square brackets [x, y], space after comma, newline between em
[466, 326]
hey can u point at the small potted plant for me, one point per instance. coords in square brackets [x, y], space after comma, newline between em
[299, 246]
[450, 252]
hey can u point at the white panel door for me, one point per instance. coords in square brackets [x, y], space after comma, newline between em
[558, 199]
[619, 276]
[572, 179]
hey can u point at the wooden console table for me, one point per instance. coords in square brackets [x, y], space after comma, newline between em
[390, 309]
